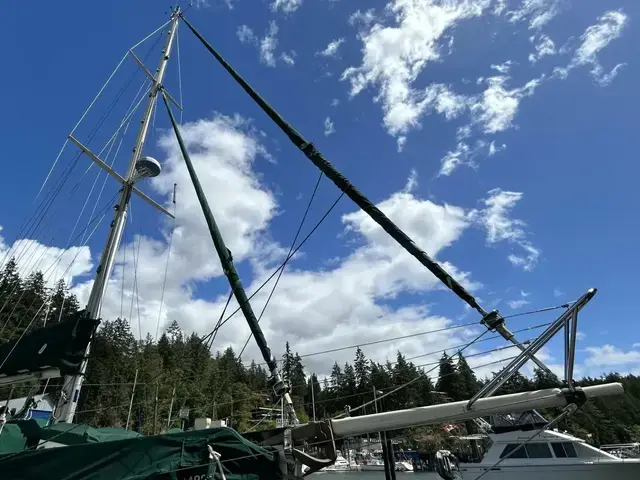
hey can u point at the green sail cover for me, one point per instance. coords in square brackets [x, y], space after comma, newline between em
[178, 456]
[58, 345]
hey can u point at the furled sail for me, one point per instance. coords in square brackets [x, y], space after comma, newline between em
[59, 345]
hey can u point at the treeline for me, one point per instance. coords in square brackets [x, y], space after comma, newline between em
[146, 385]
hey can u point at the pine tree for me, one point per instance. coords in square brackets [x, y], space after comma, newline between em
[288, 363]
[448, 378]
[362, 371]
[469, 384]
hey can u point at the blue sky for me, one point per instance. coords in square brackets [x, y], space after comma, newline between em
[539, 94]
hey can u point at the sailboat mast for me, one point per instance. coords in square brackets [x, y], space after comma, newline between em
[73, 383]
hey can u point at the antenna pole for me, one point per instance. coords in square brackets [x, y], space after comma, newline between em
[72, 384]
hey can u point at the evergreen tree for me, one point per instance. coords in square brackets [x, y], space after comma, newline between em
[469, 384]
[448, 378]
[362, 371]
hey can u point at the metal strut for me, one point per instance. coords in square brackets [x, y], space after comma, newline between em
[568, 320]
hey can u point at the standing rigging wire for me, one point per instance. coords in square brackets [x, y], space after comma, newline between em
[124, 266]
[217, 327]
[284, 264]
[166, 265]
[46, 203]
[180, 97]
[393, 339]
[93, 102]
[43, 246]
[78, 123]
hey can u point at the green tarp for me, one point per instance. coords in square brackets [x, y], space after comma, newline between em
[73, 434]
[17, 436]
[178, 456]
[58, 345]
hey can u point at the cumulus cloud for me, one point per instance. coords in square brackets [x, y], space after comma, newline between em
[348, 302]
[54, 262]
[393, 56]
[610, 356]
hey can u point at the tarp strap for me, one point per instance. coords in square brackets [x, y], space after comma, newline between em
[343, 184]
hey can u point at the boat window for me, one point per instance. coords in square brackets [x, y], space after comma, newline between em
[570, 449]
[558, 450]
[520, 453]
[538, 450]
[564, 449]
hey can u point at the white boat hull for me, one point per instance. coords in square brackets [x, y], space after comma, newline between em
[599, 470]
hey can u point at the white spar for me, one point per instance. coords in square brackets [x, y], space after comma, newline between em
[457, 411]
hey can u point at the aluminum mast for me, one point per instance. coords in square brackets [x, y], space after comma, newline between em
[72, 384]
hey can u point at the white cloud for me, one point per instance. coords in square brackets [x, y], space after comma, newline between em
[463, 154]
[516, 304]
[363, 18]
[223, 151]
[493, 149]
[344, 303]
[503, 68]
[268, 45]
[466, 154]
[557, 293]
[335, 102]
[55, 263]
[581, 335]
[394, 56]
[328, 127]
[331, 49]
[245, 34]
[286, 6]
[289, 58]
[500, 227]
[537, 12]
[412, 181]
[400, 142]
[544, 47]
[610, 355]
[636, 345]
[609, 27]
[495, 110]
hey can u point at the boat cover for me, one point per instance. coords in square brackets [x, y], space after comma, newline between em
[58, 345]
[176, 456]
